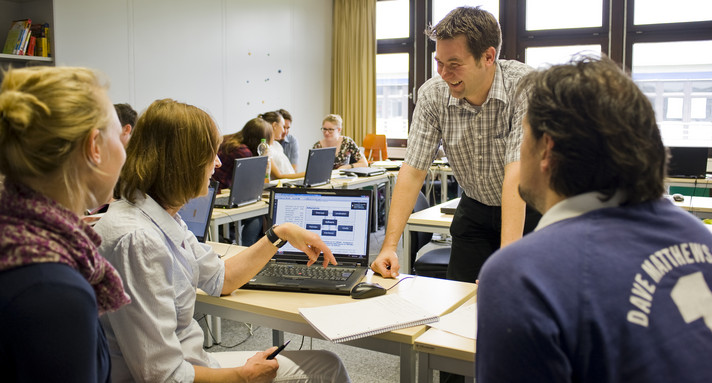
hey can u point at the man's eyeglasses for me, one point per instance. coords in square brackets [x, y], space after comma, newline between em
[327, 130]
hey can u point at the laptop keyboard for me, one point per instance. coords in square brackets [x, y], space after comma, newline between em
[304, 272]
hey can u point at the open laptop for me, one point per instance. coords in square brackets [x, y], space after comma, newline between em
[341, 218]
[320, 163]
[198, 211]
[688, 162]
[248, 179]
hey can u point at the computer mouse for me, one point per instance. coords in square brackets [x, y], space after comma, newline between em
[367, 290]
[677, 197]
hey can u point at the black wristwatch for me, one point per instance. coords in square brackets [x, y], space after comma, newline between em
[274, 238]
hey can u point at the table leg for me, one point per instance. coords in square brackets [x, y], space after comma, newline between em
[405, 262]
[407, 363]
[425, 373]
[277, 338]
[443, 187]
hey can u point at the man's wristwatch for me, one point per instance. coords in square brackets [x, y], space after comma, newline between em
[274, 238]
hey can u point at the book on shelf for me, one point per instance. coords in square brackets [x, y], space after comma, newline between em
[15, 36]
[349, 321]
[39, 32]
[22, 49]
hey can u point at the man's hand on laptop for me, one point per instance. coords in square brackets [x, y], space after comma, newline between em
[308, 242]
[386, 263]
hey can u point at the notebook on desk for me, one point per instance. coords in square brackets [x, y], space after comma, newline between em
[688, 162]
[341, 218]
[320, 163]
[363, 171]
[248, 179]
[197, 213]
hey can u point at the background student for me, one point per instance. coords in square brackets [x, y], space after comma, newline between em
[241, 145]
[155, 338]
[347, 155]
[281, 167]
[60, 154]
[289, 142]
[127, 118]
[615, 283]
[473, 110]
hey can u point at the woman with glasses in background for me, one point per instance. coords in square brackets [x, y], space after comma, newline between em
[348, 155]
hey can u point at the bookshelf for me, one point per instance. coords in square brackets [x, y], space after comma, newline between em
[40, 11]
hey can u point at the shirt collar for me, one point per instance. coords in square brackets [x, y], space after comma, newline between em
[496, 91]
[168, 224]
[577, 205]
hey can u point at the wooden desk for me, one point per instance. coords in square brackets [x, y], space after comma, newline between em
[444, 351]
[689, 182]
[429, 220]
[699, 206]
[224, 216]
[280, 310]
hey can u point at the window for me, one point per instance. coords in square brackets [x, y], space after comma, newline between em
[562, 14]
[667, 47]
[679, 88]
[540, 57]
[392, 96]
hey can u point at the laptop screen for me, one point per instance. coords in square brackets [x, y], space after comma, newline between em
[688, 162]
[341, 218]
[248, 180]
[320, 163]
[197, 213]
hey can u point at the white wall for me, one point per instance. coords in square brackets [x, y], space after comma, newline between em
[233, 58]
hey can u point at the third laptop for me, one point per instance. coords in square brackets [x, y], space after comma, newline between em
[341, 218]
[319, 166]
[248, 178]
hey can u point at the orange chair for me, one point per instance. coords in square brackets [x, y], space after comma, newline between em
[374, 147]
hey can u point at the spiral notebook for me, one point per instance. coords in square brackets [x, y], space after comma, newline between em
[349, 321]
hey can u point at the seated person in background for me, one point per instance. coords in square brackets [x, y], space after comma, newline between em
[60, 153]
[127, 118]
[155, 338]
[281, 167]
[289, 142]
[614, 284]
[348, 155]
[241, 145]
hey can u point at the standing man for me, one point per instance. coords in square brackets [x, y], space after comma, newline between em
[289, 142]
[473, 110]
[615, 283]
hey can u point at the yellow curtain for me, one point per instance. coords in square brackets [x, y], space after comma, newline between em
[353, 71]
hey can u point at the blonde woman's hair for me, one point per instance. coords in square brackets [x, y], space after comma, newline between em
[334, 119]
[46, 117]
[169, 149]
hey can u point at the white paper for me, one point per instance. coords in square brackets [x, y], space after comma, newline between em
[462, 322]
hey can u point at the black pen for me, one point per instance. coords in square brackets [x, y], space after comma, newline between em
[278, 350]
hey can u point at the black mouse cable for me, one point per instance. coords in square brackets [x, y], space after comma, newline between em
[401, 280]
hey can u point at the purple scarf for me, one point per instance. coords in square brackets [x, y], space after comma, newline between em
[36, 229]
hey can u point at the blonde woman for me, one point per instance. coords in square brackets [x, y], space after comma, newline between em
[348, 155]
[60, 154]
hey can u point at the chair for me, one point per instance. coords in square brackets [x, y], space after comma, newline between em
[375, 145]
[434, 262]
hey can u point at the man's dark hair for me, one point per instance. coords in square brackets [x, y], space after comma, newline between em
[286, 115]
[127, 114]
[603, 128]
[477, 25]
